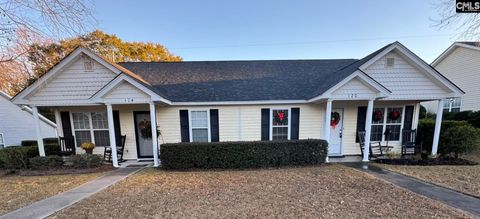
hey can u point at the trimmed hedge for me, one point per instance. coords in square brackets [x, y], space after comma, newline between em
[254, 154]
[472, 117]
[46, 162]
[450, 134]
[86, 160]
[18, 157]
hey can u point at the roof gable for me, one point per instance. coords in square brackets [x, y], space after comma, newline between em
[469, 45]
[412, 61]
[69, 83]
[126, 90]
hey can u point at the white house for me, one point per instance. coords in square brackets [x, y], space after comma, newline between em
[96, 100]
[18, 124]
[460, 63]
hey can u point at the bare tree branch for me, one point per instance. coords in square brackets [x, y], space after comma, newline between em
[466, 24]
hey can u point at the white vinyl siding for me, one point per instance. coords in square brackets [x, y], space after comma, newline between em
[462, 67]
[354, 89]
[17, 124]
[404, 80]
[126, 93]
[73, 84]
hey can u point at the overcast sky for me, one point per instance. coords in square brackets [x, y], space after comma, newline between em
[277, 29]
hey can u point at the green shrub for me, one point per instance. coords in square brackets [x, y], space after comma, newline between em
[451, 136]
[459, 140]
[243, 154]
[47, 162]
[86, 160]
[17, 157]
[29, 143]
[472, 117]
[426, 128]
[49, 144]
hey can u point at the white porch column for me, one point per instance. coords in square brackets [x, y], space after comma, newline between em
[36, 119]
[328, 118]
[153, 119]
[438, 125]
[58, 122]
[368, 129]
[111, 132]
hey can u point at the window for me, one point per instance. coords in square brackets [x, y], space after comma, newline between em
[200, 126]
[2, 141]
[386, 120]
[280, 125]
[91, 127]
[389, 62]
[452, 104]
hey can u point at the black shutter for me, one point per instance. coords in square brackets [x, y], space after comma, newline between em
[214, 132]
[66, 125]
[408, 121]
[295, 120]
[265, 124]
[361, 117]
[116, 127]
[184, 127]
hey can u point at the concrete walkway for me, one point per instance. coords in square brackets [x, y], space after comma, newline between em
[450, 197]
[58, 202]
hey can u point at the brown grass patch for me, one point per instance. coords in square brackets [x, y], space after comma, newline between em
[461, 178]
[18, 191]
[327, 191]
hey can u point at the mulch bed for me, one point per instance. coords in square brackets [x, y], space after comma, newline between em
[56, 171]
[428, 162]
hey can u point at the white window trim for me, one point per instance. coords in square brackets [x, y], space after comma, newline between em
[450, 104]
[3, 140]
[91, 129]
[384, 124]
[190, 123]
[271, 124]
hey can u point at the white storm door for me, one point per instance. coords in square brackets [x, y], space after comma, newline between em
[336, 129]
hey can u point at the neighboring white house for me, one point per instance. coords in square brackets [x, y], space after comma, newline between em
[96, 100]
[17, 123]
[460, 63]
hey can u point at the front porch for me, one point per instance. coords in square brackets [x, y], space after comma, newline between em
[105, 126]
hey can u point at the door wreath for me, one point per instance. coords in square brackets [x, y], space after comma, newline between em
[335, 119]
[145, 128]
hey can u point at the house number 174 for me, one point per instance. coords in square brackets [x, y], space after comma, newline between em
[129, 100]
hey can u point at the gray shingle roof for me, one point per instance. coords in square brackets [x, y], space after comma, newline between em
[471, 43]
[207, 81]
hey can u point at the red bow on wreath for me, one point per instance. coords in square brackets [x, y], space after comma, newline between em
[281, 115]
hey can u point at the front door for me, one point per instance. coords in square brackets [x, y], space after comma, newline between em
[143, 134]
[336, 129]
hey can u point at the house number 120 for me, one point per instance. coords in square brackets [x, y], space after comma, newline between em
[352, 96]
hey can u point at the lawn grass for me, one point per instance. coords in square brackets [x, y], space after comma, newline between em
[327, 191]
[18, 191]
[461, 178]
